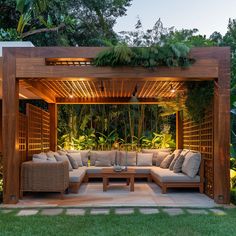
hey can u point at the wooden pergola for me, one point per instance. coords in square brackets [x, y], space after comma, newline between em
[65, 76]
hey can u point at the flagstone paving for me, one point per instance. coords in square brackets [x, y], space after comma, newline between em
[51, 212]
[197, 211]
[106, 211]
[218, 212]
[149, 211]
[173, 211]
[27, 212]
[100, 211]
[75, 212]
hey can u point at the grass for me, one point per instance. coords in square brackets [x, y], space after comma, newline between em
[135, 224]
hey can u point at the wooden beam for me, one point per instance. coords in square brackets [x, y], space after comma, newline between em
[39, 89]
[202, 69]
[52, 107]
[11, 158]
[110, 100]
[222, 130]
[179, 130]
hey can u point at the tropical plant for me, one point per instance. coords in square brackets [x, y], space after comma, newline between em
[153, 142]
[106, 141]
[171, 55]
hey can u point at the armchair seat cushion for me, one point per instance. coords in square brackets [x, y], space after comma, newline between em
[166, 175]
[77, 174]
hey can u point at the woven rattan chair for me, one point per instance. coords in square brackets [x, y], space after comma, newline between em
[44, 177]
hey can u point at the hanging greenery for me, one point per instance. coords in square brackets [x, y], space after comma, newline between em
[198, 99]
[171, 55]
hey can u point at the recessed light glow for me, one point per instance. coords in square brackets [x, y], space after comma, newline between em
[22, 96]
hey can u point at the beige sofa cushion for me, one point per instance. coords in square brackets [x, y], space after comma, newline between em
[84, 156]
[75, 159]
[178, 164]
[103, 156]
[40, 157]
[131, 158]
[64, 158]
[96, 169]
[191, 164]
[158, 155]
[176, 153]
[144, 159]
[77, 175]
[166, 175]
[166, 162]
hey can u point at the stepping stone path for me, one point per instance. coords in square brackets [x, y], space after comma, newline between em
[218, 212]
[51, 212]
[27, 212]
[173, 211]
[75, 212]
[197, 211]
[99, 211]
[118, 211]
[149, 211]
[124, 211]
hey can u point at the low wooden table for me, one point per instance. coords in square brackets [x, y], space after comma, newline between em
[111, 174]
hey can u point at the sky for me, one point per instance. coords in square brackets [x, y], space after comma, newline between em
[205, 15]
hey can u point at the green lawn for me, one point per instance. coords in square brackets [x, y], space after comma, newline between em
[135, 224]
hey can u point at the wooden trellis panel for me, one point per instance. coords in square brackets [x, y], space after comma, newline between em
[23, 137]
[199, 137]
[38, 130]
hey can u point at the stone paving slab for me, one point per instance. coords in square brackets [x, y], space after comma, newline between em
[124, 211]
[197, 211]
[218, 212]
[75, 212]
[149, 211]
[99, 211]
[30, 212]
[51, 212]
[6, 211]
[173, 211]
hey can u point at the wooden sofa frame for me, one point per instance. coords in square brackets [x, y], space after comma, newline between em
[165, 185]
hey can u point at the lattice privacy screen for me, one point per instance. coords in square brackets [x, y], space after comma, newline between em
[199, 137]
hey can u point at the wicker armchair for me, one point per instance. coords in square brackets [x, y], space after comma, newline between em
[44, 177]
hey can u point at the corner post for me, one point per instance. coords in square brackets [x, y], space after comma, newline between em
[222, 130]
[52, 107]
[179, 130]
[10, 129]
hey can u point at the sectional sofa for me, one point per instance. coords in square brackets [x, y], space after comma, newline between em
[66, 170]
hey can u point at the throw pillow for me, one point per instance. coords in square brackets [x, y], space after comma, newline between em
[108, 155]
[64, 158]
[130, 159]
[51, 156]
[178, 164]
[160, 157]
[166, 162]
[101, 161]
[61, 152]
[144, 159]
[176, 153]
[41, 157]
[154, 152]
[84, 156]
[75, 160]
[191, 163]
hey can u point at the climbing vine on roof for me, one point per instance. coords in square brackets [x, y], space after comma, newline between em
[171, 55]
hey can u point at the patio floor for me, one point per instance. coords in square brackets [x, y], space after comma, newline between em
[145, 194]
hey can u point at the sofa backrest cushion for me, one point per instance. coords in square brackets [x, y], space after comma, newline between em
[177, 154]
[41, 157]
[191, 163]
[75, 159]
[106, 155]
[158, 155]
[64, 158]
[166, 162]
[51, 156]
[177, 168]
[84, 156]
[144, 159]
[130, 160]
[103, 159]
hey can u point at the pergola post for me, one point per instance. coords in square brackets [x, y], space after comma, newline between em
[179, 130]
[10, 129]
[222, 131]
[52, 107]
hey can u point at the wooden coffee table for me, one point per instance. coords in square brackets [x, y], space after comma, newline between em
[108, 173]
